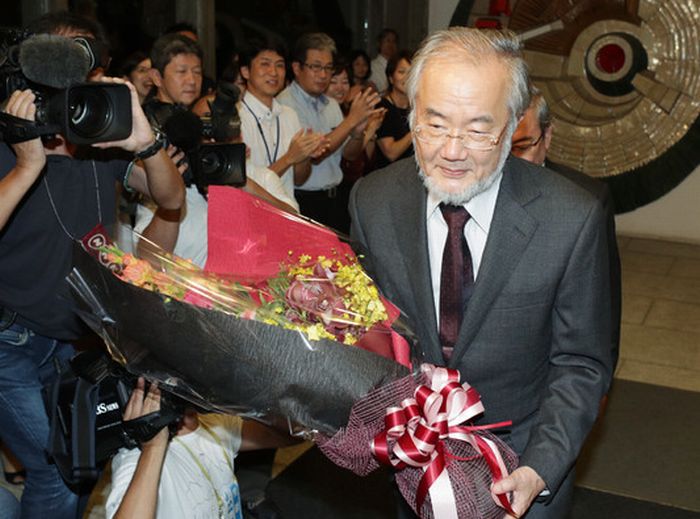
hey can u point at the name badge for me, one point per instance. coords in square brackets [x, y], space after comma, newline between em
[232, 502]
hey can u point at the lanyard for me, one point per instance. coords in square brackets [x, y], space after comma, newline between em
[202, 468]
[270, 158]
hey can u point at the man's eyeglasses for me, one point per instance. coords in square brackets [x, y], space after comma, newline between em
[523, 145]
[316, 68]
[472, 140]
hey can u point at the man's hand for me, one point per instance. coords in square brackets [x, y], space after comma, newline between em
[178, 158]
[363, 106]
[30, 154]
[304, 144]
[141, 133]
[525, 484]
[142, 403]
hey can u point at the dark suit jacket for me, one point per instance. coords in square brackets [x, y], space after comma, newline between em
[600, 190]
[535, 338]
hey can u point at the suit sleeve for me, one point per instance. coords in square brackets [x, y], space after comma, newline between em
[580, 361]
[357, 234]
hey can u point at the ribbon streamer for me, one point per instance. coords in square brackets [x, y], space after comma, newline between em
[415, 432]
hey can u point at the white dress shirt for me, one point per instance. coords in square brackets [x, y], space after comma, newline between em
[259, 130]
[476, 231]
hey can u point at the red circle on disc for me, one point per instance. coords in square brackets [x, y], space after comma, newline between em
[610, 58]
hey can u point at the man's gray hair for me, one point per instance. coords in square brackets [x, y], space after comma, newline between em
[312, 41]
[474, 46]
[539, 104]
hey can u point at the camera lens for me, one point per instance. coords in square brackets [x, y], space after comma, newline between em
[90, 111]
[213, 163]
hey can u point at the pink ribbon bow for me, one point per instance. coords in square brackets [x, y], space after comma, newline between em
[417, 430]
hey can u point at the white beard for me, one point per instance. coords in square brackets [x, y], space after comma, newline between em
[469, 192]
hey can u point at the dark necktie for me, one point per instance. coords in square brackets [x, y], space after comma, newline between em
[456, 278]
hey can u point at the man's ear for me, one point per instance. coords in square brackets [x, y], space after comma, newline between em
[156, 77]
[548, 136]
[296, 68]
[245, 73]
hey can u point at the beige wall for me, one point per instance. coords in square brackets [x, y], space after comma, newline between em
[675, 216]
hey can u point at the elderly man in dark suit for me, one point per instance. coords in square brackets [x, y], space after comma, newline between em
[500, 265]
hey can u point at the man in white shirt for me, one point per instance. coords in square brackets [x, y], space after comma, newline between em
[191, 476]
[387, 46]
[312, 64]
[271, 130]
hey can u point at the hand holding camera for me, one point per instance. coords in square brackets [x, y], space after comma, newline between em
[30, 154]
[141, 136]
[142, 403]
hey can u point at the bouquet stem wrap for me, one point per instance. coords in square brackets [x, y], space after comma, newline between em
[444, 469]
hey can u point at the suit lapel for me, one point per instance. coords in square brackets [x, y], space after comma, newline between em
[511, 230]
[409, 214]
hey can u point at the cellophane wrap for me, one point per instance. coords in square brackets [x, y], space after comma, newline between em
[200, 343]
[219, 339]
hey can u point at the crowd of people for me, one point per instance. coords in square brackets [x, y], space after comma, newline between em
[522, 296]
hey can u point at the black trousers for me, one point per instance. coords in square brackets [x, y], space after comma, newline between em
[329, 207]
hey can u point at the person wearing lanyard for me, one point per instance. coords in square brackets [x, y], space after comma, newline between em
[272, 131]
[312, 63]
[192, 476]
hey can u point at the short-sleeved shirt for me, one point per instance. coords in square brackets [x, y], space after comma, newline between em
[184, 490]
[395, 125]
[268, 132]
[323, 115]
[35, 251]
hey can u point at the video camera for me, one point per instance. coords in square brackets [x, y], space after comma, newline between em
[218, 163]
[55, 69]
[85, 407]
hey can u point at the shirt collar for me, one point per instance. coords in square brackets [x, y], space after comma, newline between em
[259, 109]
[314, 101]
[480, 208]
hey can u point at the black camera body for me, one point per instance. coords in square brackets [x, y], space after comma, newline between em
[210, 163]
[55, 69]
[85, 406]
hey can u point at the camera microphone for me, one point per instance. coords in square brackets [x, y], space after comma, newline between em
[53, 61]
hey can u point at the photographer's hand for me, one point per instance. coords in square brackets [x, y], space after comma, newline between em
[141, 133]
[30, 161]
[141, 498]
[142, 403]
[155, 176]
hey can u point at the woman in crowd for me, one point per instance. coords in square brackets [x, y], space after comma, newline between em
[339, 89]
[359, 73]
[137, 69]
[394, 135]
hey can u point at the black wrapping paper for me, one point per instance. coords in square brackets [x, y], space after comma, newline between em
[224, 363]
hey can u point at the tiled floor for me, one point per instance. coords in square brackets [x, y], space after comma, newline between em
[660, 321]
[660, 313]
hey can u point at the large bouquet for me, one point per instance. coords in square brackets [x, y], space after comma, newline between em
[283, 322]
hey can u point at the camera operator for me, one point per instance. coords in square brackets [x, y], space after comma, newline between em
[176, 73]
[184, 232]
[193, 475]
[57, 199]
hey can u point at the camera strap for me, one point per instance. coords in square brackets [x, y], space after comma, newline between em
[14, 129]
[83, 438]
[272, 158]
